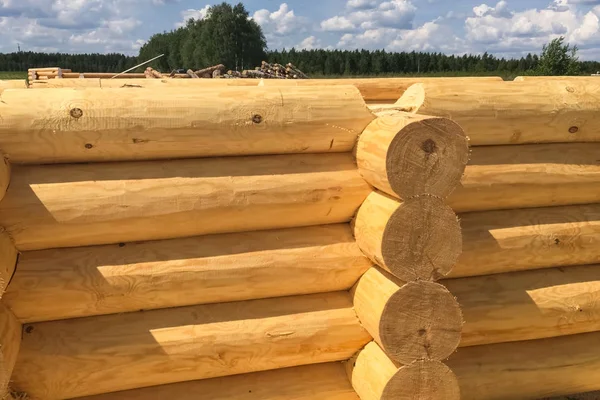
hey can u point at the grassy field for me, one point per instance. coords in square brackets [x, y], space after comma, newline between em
[13, 75]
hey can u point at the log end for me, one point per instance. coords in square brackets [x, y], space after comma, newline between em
[422, 240]
[428, 155]
[423, 380]
[420, 321]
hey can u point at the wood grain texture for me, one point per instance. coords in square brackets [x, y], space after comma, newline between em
[12, 84]
[535, 175]
[517, 240]
[529, 369]
[375, 377]
[320, 381]
[418, 239]
[10, 342]
[406, 155]
[8, 260]
[88, 204]
[105, 354]
[82, 125]
[79, 282]
[499, 113]
[5, 170]
[410, 321]
[528, 305]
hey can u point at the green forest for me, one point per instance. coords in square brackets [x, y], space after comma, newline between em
[228, 36]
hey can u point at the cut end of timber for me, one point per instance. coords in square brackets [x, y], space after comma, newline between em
[427, 155]
[423, 380]
[422, 240]
[421, 321]
[412, 99]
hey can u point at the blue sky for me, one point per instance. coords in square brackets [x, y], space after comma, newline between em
[506, 27]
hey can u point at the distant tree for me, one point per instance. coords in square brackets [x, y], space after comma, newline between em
[558, 59]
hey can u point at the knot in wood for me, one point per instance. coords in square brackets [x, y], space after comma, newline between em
[570, 89]
[257, 119]
[29, 329]
[89, 146]
[428, 146]
[76, 113]
[573, 129]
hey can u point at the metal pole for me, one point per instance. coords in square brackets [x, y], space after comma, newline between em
[139, 65]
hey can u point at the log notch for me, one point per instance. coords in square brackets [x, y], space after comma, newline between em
[516, 240]
[318, 381]
[8, 260]
[414, 321]
[406, 155]
[512, 177]
[10, 341]
[68, 125]
[528, 305]
[529, 369]
[498, 113]
[418, 239]
[79, 282]
[375, 377]
[184, 344]
[105, 203]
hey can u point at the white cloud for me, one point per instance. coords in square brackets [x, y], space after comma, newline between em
[281, 27]
[337, 24]
[361, 4]
[191, 13]
[309, 43]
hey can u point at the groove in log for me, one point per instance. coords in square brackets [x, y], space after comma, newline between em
[312, 382]
[498, 113]
[105, 203]
[414, 321]
[529, 369]
[517, 240]
[375, 377]
[528, 305]
[418, 239]
[79, 282]
[10, 341]
[406, 155]
[5, 170]
[69, 125]
[525, 176]
[184, 344]
[12, 84]
[8, 260]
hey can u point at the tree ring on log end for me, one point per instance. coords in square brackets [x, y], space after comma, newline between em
[422, 240]
[422, 380]
[427, 156]
[422, 320]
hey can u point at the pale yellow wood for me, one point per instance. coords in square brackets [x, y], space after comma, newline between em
[87, 204]
[313, 382]
[516, 240]
[510, 177]
[12, 84]
[128, 351]
[414, 321]
[528, 305]
[406, 155]
[530, 369]
[80, 125]
[592, 79]
[416, 239]
[85, 281]
[8, 260]
[10, 341]
[497, 113]
[375, 377]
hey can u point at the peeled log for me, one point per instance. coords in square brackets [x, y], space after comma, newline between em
[406, 155]
[5, 171]
[312, 382]
[592, 79]
[418, 239]
[82, 125]
[85, 281]
[375, 377]
[528, 305]
[529, 370]
[535, 175]
[88, 204]
[12, 84]
[10, 341]
[498, 113]
[8, 260]
[414, 321]
[184, 344]
[516, 240]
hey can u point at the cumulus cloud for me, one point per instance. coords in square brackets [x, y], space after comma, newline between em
[191, 13]
[311, 42]
[282, 27]
[361, 4]
[337, 24]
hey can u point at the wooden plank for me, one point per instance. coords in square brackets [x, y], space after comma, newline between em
[320, 381]
[88, 204]
[91, 124]
[406, 155]
[79, 282]
[528, 305]
[500, 113]
[10, 342]
[529, 369]
[96, 355]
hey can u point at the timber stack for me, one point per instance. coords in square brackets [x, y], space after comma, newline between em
[290, 242]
